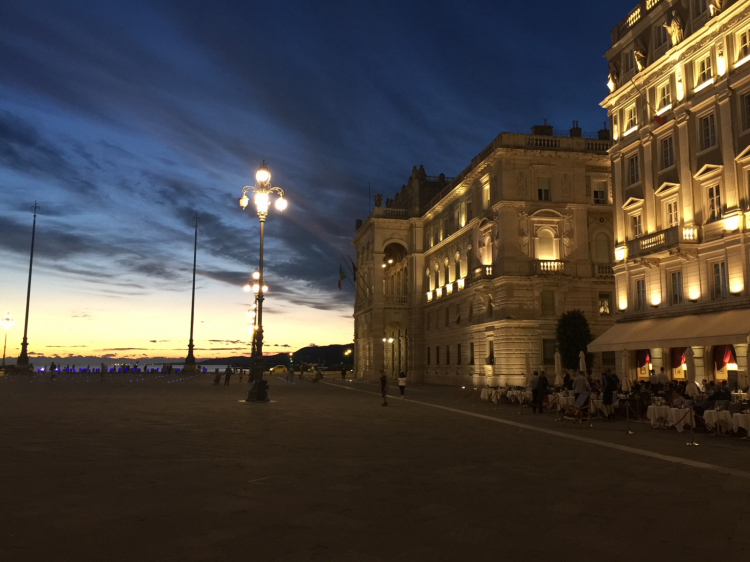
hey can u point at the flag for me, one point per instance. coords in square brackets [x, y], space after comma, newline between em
[342, 276]
[354, 269]
[658, 119]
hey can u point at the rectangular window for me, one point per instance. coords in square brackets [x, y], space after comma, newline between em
[456, 216]
[720, 286]
[744, 43]
[665, 95]
[548, 351]
[746, 112]
[634, 172]
[704, 70]
[486, 195]
[471, 353]
[462, 215]
[600, 193]
[428, 355]
[667, 152]
[605, 304]
[490, 352]
[447, 354]
[707, 131]
[548, 303]
[608, 358]
[700, 7]
[458, 354]
[676, 296]
[628, 61]
[632, 118]
[637, 224]
[671, 217]
[662, 35]
[640, 294]
[469, 211]
[441, 229]
[437, 355]
[714, 203]
[543, 189]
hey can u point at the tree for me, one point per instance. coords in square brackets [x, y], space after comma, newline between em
[573, 335]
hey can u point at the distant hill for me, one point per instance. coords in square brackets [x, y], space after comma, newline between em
[331, 355]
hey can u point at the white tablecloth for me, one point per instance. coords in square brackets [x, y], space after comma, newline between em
[519, 396]
[560, 401]
[741, 421]
[738, 396]
[597, 405]
[679, 418]
[656, 414]
[721, 418]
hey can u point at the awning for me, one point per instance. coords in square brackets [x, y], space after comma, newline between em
[729, 326]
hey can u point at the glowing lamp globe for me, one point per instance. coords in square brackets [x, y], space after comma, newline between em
[281, 204]
[263, 175]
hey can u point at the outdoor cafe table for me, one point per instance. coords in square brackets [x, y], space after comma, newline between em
[561, 401]
[519, 396]
[722, 418]
[655, 414]
[741, 421]
[679, 418]
[739, 396]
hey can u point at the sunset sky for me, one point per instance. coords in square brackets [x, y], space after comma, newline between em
[124, 118]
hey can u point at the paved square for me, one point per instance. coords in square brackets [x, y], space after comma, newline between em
[178, 470]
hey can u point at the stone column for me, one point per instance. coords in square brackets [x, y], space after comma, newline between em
[686, 174]
[727, 150]
[742, 376]
[618, 189]
[700, 372]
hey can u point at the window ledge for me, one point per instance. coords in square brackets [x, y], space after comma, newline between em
[705, 85]
[668, 168]
[664, 109]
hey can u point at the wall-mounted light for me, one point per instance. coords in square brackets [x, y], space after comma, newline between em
[429, 296]
[680, 86]
[736, 289]
[721, 63]
[694, 295]
[623, 305]
[621, 252]
[655, 300]
[732, 367]
[732, 223]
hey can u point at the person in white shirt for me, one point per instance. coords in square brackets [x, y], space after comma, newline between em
[580, 384]
[402, 383]
[662, 378]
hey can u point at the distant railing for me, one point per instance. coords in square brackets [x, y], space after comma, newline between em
[543, 141]
[546, 267]
[396, 300]
[603, 270]
[633, 18]
[598, 145]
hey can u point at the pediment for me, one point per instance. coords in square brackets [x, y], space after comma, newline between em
[546, 214]
[631, 203]
[667, 188]
[708, 171]
[744, 155]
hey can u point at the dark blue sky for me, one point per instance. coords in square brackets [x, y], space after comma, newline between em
[123, 117]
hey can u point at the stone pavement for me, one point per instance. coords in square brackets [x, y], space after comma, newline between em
[175, 469]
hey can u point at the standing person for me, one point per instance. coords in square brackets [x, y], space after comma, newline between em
[103, 370]
[611, 381]
[402, 383]
[241, 371]
[534, 385]
[227, 375]
[343, 373]
[541, 391]
[217, 376]
[384, 387]
[580, 384]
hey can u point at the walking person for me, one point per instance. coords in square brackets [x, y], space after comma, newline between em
[611, 382]
[217, 376]
[402, 383]
[534, 386]
[541, 391]
[227, 375]
[580, 384]
[241, 372]
[384, 387]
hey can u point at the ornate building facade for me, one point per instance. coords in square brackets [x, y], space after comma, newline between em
[679, 105]
[463, 278]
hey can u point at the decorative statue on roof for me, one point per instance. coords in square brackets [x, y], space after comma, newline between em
[715, 7]
[675, 28]
[378, 200]
[640, 54]
[614, 77]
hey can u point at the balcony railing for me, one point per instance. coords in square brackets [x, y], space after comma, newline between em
[662, 240]
[396, 300]
[549, 267]
[484, 272]
[632, 19]
[603, 270]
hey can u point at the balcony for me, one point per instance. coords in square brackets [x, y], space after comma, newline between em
[484, 272]
[662, 240]
[549, 267]
[603, 271]
[396, 301]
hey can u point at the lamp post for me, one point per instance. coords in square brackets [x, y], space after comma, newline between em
[23, 359]
[190, 359]
[7, 323]
[262, 200]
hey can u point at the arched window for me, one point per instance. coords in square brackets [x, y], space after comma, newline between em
[458, 265]
[546, 244]
[601, 249]
[447, 272]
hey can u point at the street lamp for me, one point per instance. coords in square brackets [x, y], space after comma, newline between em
[262, 198]
[7, 323]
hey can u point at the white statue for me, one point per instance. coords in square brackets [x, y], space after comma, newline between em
[715, 7]
[675, 29]
[640, 54]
